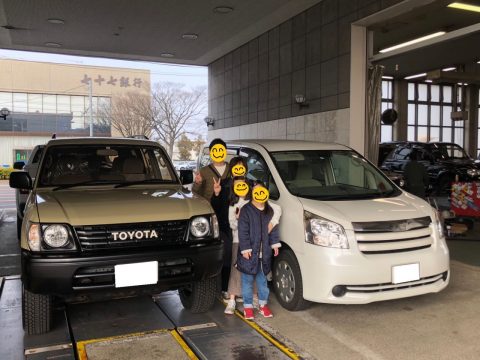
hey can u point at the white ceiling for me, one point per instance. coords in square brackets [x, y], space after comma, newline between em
[145, 28]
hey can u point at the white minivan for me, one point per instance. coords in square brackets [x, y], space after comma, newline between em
[349, 234]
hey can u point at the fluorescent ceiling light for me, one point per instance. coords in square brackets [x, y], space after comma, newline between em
[429, 81]
[387, 77]
[463, 6]
[450, 68]
[462, 84]
[414, 41]
[415, 76]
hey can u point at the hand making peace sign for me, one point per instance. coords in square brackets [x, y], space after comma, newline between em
[216, 186]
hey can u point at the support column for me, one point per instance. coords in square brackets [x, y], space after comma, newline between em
[400, 104]
[471, 126]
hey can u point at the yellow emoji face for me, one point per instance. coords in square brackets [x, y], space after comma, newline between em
[240, 188]
[260, 194]
[238, 170]
[218, 153]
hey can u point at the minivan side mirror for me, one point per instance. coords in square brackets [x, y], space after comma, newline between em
[18, 165]
[20, 180]
[186, 177]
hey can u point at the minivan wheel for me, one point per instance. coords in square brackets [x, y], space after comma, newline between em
[200, 296]
[287, 281]
[37, 312]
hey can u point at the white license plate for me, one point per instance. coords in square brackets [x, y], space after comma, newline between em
[405, 273]
[145, 273]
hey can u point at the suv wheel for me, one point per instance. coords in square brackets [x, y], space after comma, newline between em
[36, 312]
[200, 296]
[287, 281]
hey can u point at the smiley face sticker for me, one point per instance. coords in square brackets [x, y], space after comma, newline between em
[240, 188]
[260, 194]
[218, 153]
[238, 170]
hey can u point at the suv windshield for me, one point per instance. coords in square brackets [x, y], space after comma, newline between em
[331, 175]
[70, 165]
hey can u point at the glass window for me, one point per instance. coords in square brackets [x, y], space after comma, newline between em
[422, 133]
[447, 134]
[78, 111]
[435, 115]
[434, 134]
[422, 118]
[411, 91]
[422, 92]
[6, 100]
[20, 102]
[35, 103]
[447, 117]
[411, 114]
[434, 93]
[386, 133]
[49, 104]
[447, 94]
[63, 104]
[411, 133]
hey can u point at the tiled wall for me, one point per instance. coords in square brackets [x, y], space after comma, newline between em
[308, 54]
[327, 126]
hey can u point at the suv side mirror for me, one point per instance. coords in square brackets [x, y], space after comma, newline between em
[20, 180]
[18, 165]
[186, 177]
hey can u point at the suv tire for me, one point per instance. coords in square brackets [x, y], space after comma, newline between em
[287, 281]
[200, 296]
[37, 312]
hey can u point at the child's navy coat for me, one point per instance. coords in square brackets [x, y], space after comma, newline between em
[253, 231]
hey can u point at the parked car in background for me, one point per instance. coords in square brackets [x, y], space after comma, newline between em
[21, 195]
[444, 162]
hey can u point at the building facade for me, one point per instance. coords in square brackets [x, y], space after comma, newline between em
[46, 99]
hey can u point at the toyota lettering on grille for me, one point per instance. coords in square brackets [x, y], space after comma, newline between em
[135, 234]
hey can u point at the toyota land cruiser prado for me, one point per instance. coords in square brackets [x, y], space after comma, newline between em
[107, 218]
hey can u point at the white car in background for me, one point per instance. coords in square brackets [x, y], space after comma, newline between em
[21, 195]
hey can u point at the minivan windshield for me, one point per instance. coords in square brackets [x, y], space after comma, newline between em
[331, 175]
[66, 166]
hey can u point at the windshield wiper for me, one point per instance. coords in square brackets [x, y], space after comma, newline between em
[146, 181]
[89, 182]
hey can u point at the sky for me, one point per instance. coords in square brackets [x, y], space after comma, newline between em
[191, 76]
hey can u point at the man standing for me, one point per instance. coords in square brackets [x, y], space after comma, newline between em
[416, 176]
[209, 181]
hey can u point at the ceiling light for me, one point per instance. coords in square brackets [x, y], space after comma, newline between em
[429, 81]
[167, 55]
[56, 21]
[478, 62]
[387, 77]
[53, 44]
[463, 6]
[222, 9]
[414, 41]
[415, 76]
[190, 36]
[449, 68]
[462, 84]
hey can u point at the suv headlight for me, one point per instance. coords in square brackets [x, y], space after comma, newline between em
[323, 232]
[55, 236]
[199, 226]
[49, 237]
[472, 172]
[215, 227]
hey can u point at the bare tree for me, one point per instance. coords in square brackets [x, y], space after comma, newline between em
[129, 114]
[173, 107]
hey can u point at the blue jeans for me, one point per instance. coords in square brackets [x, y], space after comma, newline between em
[247, 288]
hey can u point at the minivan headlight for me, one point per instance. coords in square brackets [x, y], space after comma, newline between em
[438, 223]
[323, 232]
[200, 226]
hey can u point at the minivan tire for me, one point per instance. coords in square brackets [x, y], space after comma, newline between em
[37, 312]
[287, 281]
[200, 296]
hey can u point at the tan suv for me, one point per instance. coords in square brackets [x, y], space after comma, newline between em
[109, 217]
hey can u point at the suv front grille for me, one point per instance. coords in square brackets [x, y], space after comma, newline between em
[383, 237]
[119, 236]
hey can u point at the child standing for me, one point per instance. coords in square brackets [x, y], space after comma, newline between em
[255, 247]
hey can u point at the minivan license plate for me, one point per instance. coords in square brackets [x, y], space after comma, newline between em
[405, 273]
[145, 273]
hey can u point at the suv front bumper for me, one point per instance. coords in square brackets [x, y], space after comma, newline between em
[69, 276]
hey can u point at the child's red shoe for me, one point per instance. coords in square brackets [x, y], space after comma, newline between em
[248, 313]
[265, 311]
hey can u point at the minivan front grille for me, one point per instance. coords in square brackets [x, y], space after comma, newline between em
[383, 237]
[119, 236]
